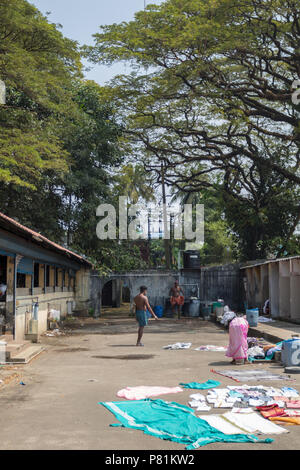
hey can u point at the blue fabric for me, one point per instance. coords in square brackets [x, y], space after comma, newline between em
[141, 317]
[171, 421]
[202, 386]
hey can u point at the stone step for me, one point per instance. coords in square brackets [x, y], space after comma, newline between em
[26, 354]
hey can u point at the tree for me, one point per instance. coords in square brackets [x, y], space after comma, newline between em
[212, 94]
[37, 64]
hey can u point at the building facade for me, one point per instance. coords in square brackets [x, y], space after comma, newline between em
[41, 279]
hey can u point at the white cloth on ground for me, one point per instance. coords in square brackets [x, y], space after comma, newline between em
[211, 347]
[178, 346]
[253, 423]
[265, 319]
[235, 423]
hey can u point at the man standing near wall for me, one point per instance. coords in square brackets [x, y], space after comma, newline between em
[177, 297]
[142, 305]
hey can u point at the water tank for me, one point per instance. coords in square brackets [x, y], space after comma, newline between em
[193, 308]
[252, 316]
[290, 352]
[191, 259]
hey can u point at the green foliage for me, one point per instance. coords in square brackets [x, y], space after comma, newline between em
[211, 95]
[37, 65]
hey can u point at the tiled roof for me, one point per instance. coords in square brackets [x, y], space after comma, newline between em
[36, 237]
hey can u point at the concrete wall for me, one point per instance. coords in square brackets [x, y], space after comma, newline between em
[223, 282]
[65, 300]
[55, 300]
[211, 283]
[279, 281]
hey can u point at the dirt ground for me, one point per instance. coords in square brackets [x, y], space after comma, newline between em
[58, 407]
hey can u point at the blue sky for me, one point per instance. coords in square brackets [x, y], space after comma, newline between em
[82, 18]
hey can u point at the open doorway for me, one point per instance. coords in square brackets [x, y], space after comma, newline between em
[107, 294]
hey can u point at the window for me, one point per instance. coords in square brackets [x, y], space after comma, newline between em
[36, 282]
[21, 280]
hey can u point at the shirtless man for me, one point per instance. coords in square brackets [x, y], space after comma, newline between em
[142, 305]
[176, 298]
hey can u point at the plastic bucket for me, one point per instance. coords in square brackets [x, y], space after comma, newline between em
[252, 316]
[158, 310]
[215, 305]
[194, 308]
[205, 311]
[219, 312]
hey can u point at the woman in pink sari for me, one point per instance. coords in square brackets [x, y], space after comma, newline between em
[238, 346]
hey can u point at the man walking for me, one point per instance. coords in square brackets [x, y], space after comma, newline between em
[142, 305]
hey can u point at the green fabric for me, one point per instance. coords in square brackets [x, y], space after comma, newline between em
[171, 421]
[202, 386]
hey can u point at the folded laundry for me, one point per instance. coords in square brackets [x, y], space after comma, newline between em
[140, 392]
[199, 405]
[293, 404]
[291, 412]
[242, 410]
[246, 396]
[243, 423]
[271, 411]
[198, 396]
[178, 346]
[290, 392]
[253, 422]
[287, 419]
[172, 421]
[201, 386]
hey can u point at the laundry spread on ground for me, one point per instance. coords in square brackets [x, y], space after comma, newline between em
[198, 402]
[243, 398]
[178, 346]
[261, 352]
[173, 421]
[250, 423]
[265, 319]
[253, 374]
[201, 386]
[211, 347]
[143, 391]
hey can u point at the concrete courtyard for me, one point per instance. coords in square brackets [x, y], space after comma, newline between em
[57, 408]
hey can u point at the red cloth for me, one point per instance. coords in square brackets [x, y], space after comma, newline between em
[177, 300]
[271, 411]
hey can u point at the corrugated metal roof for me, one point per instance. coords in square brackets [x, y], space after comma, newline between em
[270, 261]
[40, 239]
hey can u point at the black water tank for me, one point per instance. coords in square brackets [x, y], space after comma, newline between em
[191, 259]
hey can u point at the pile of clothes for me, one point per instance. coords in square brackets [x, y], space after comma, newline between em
[258, 350]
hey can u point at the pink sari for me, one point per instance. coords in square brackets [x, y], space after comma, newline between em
[238, 346]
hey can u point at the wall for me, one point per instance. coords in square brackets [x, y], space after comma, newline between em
[223, 282]
[213, 283]
[278, 280]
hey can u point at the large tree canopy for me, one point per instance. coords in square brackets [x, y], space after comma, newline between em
[37, 64]
[212, 94]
